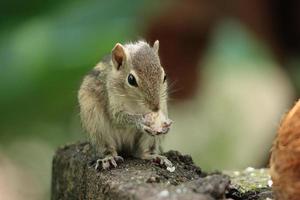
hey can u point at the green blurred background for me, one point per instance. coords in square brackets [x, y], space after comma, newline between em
[234, 65]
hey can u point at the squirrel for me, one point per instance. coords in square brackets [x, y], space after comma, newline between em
[123, 105]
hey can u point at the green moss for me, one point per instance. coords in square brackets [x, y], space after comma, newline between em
[250, 179]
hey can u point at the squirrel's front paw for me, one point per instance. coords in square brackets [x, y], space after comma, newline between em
[151, 131]
[108, 162]
[148, 130]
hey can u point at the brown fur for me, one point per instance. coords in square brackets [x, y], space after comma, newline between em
[285, 158]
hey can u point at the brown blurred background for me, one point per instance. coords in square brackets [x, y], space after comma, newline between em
[233, 67]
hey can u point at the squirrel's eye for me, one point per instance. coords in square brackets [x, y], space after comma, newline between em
[131, 80]
[165, 78]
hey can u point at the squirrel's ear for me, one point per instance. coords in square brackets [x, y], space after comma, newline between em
[118, 55]
[156, 46]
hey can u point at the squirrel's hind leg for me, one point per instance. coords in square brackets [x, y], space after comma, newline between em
[110, 159]
[150, 150]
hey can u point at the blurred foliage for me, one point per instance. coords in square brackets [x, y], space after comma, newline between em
[44, 56]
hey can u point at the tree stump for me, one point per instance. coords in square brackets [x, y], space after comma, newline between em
[74, 177]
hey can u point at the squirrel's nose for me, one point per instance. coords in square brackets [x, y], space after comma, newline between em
[155, 108]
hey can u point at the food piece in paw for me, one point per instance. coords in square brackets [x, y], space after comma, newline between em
[158, 122]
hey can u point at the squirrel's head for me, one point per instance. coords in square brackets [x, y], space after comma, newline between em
[138, 79]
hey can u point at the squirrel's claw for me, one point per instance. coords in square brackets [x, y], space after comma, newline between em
[160, 160]
[108, 162]
[164, 162]
[119, 158]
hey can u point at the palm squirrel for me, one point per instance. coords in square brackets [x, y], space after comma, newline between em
[123, 105]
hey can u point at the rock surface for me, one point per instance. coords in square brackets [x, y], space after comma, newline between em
[250, 184]
[74, 177]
